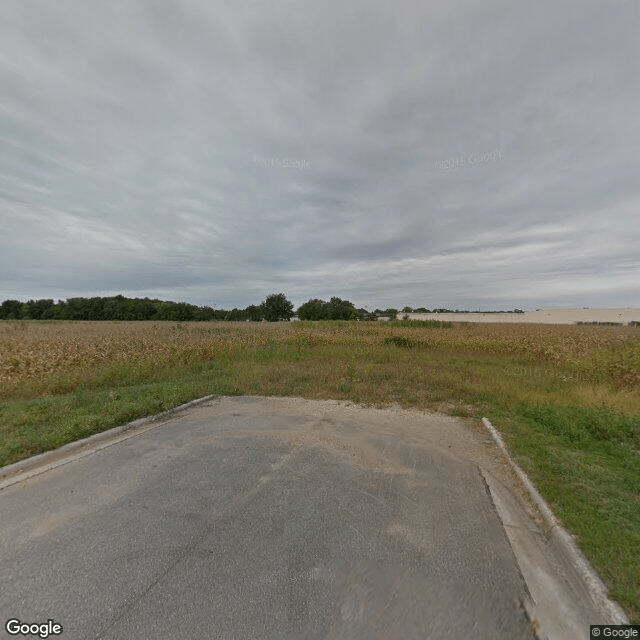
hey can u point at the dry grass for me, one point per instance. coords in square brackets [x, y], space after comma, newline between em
[37, 352]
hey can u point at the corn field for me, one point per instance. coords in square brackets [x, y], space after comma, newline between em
[32, 351]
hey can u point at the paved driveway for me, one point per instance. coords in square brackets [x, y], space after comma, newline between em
[264, 518]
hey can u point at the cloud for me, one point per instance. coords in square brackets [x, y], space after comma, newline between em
[463, 154]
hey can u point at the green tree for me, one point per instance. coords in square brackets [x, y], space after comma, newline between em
[342, 309]
[363, 314]
[11, 309]
[335, 309]
[276, 307]
[39, 309]
[236, 314]
[204, 313]
[143, 309]
[77, 309]
[314, 309]
[254, 313]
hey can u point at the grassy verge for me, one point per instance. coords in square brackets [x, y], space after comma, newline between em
[566, 398]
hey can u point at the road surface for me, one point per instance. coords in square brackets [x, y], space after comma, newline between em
[246, 518]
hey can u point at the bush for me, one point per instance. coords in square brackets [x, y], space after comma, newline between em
[400, 341]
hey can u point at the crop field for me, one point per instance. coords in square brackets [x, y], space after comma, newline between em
[565, 397]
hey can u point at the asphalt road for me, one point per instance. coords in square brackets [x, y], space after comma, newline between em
[247, 518]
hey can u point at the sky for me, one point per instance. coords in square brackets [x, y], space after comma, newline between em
[470, 154]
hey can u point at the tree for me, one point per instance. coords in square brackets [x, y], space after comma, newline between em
[363, 314]
[276, 307]
[254, 313]
[204, 313]
[11, 310]
[237, 315]
[335, 309]
[342, 310]
[314, 309]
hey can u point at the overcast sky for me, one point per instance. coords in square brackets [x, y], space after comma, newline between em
[468, 154]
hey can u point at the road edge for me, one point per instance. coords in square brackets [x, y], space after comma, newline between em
[611, 612]
[41, 462]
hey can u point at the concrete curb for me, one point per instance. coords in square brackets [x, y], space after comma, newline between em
[610, 611]
[50, 459]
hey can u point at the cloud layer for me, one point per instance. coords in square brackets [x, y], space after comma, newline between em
[463, 154]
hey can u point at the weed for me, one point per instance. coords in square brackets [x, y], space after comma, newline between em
[400, 341]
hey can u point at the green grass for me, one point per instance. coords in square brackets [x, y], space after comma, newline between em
[571, 418]
[585, 463]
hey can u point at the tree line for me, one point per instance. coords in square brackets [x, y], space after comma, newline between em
[275, 307]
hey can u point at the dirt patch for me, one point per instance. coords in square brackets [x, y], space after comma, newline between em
[338, 426]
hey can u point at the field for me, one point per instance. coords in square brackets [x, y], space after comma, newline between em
[566, 398]
[542, 316]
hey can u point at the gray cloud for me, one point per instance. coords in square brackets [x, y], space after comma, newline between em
[466, 154]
